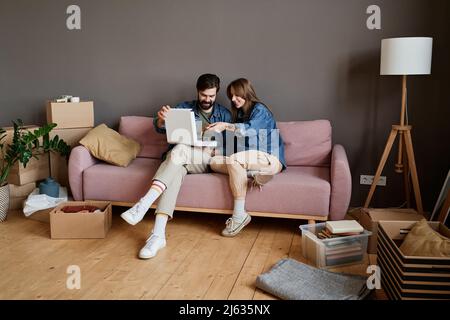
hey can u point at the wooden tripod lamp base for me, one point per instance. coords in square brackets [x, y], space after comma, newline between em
[405, 136]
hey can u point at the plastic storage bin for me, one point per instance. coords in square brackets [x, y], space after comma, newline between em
[329, 253]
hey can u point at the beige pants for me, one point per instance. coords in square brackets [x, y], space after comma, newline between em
[238, 164]
[181, 160]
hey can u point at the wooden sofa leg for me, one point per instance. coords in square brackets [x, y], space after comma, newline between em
[311, 221]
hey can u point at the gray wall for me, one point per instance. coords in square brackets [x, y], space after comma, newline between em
[308, 59]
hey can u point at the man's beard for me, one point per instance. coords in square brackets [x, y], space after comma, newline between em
[206, 105]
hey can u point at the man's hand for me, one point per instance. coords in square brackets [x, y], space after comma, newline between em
[220, 127]
[162, 114]
[210, 151]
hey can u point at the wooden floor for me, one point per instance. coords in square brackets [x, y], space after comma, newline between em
[197, 263]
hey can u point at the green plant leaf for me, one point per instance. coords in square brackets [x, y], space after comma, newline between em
[26, 145]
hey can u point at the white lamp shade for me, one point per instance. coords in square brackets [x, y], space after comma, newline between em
[406, 56]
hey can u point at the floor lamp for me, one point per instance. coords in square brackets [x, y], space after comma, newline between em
[403, 56]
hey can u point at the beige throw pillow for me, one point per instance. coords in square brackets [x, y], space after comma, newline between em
[108, 145]
[423, 241]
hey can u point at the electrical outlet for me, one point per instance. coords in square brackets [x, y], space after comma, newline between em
[368, 180]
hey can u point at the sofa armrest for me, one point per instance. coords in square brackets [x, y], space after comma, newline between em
[80, 159]
[341, 183]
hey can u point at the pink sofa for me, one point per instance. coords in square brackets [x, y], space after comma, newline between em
[315, 186]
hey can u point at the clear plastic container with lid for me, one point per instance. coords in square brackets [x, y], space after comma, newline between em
[333, 252]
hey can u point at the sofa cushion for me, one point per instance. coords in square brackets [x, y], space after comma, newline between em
[141, 129]
[307, 143]
[309, 186]
[106, 182]
[108, 145]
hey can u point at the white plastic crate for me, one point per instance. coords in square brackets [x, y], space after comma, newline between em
[330, 253]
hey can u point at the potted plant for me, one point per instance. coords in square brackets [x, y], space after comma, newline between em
[25, 145]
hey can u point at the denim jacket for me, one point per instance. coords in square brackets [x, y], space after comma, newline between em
[259, 132]
[220, 114]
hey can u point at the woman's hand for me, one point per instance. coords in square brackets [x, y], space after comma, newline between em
[220, 126]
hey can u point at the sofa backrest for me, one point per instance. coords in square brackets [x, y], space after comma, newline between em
[307, 143]
[140, 129]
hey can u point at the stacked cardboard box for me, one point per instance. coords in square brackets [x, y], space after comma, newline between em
[22, 180]
[411, 277]
[36, 169]
[10, 132]
[69, 115]
[18, 194]
[74, 120]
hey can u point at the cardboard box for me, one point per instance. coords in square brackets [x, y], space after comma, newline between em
[71, 114]
[10, 132]
[411, 277]
[59, 169]
[71, 136]
[41, 215]
[59, 164]
[21, 191]
[81, 225]
[35, 170]
[18, 194]
[369, 219]
[16, 203]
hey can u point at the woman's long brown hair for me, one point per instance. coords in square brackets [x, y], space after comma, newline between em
[244, 89]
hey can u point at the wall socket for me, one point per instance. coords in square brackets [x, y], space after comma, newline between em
[368, 180]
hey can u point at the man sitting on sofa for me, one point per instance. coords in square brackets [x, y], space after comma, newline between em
[179, 161]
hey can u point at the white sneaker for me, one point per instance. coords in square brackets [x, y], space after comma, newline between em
[233, 227]
[152, 246]
[135, 214]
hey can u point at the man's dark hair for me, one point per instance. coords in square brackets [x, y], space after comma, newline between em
[208, 81]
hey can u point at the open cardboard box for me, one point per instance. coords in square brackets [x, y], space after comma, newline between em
[81, 225]
[369, 219]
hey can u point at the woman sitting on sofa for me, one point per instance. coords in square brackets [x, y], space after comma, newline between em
[259, 151]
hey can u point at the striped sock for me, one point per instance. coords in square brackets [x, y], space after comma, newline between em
[158, 185]
[155, 191]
